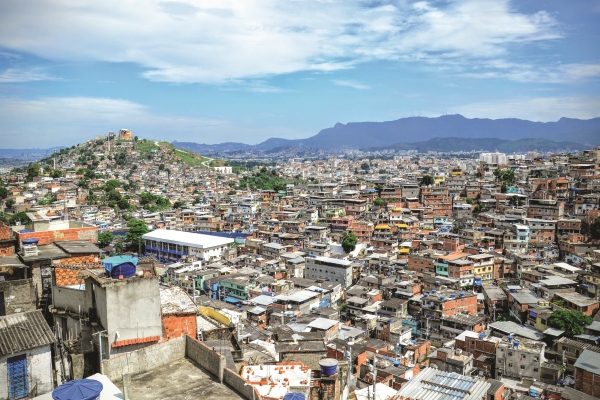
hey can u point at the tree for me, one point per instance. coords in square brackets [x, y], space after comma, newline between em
[119, 247]
[33, 170]
[379, 202]
[349, 242]
[179, 204]
[3, 193]
[365, 166]
[123, 203]
[594, 229]
[571, 322]
[20, 217]
[427, 180]
[137, 228]
[57, 173]
[9, 203]
[105, 238]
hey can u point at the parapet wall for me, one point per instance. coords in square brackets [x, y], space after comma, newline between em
[144, 360]
[205, 356]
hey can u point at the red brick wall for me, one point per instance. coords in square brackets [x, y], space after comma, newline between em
[68, 276]
[175, 325]
[4, 232]
[47, 237]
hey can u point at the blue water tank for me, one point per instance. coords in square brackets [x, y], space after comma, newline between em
[462, 294]
[425, 294]
[453, 295]
[81, 389]
[482, 335]
[328, 366]
[433, 291]
[442, 297]
[30, 241]
[294, 396]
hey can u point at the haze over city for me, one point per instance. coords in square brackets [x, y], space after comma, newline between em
[220, 71]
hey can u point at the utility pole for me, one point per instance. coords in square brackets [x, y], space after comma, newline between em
[375, 374]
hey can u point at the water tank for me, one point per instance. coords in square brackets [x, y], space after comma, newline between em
[294, 396]
[453, 295]
[30, 242]
[425, 294]
[442, 297]
[462, 294]
[396, 363]
[510, 338]
[482, 335]
[433, 291]
[516, 344]
[81, 389]
[328, 366]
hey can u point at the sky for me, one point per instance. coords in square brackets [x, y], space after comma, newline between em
[248, 70]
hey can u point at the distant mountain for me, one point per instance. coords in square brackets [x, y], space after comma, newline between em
[211, 148]
[484, 144]
[21, 152]
[364, 135]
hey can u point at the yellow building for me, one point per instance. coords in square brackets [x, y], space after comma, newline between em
[125, 134]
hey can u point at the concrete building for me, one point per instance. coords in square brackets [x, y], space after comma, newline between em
[519, 358]
[173, 245]
[329, 269]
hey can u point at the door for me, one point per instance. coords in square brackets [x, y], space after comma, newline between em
[17, 377]
[2, 305]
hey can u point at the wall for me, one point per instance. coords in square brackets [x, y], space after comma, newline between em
[19, 296]
[39, 371]
[69, 299]
[133, 310]
[47, 237]
[236, 382]
[144, 360]
[178, 324]
[204, 356]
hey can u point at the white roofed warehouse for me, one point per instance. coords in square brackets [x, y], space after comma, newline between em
[169, 245]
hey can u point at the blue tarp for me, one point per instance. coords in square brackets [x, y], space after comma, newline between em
[232, 300]
[122, 265]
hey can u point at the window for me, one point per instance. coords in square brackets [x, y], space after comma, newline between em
[535, 369]
[510, 353]
[510, 365]
[522, 367]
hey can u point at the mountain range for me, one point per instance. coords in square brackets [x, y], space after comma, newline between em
[418, 133]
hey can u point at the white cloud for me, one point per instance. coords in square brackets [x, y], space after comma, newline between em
[351, 84]
[216, 41]
[542, 109]
[55, 121]
[12, 75]
[561, 73]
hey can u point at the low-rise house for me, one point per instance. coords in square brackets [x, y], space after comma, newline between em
[25, 356]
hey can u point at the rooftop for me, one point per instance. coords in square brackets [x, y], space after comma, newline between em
[24, 331]
[589, 361]
[187, 238]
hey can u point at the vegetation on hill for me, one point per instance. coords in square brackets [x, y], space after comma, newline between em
[265, 180]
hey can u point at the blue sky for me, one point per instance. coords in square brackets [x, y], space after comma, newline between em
[244, 71]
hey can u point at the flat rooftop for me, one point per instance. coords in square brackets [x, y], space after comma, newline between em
[187, 238]
[182, 379]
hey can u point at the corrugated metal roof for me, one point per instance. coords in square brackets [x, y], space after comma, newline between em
[24, 331]
[589, 361]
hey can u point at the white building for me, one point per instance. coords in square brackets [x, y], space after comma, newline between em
[25, 358]
[173, 245]
[329, 269]
[493, 158]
